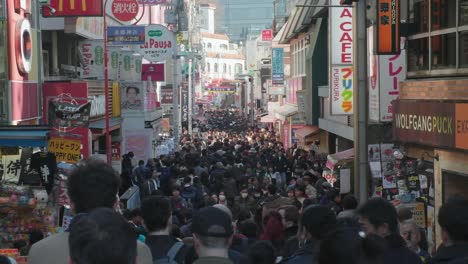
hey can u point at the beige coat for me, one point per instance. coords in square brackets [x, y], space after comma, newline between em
[54, 250]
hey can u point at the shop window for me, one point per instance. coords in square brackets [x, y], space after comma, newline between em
[454, 184]
[463, 11]
[216, 67]
[443, 14]
[418, 54]
[418, 19]
[444, 51]
[224, 68]
[208, 67]
[463, 51]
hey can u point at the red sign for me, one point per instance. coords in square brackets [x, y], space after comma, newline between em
[125, 10]
[388, 27]
[267, 35]
[73, 8]
[153, 71]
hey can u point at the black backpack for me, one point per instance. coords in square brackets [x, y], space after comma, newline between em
[171, 254]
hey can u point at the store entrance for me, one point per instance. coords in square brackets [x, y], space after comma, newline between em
[454, 184]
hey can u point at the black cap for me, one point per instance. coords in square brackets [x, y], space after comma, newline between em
[212, 222]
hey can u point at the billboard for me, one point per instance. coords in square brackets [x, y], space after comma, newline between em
[74, 8]
[131, 97]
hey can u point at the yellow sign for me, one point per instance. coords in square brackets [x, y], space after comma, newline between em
[419, 214]
[65, 149]
[115, 99]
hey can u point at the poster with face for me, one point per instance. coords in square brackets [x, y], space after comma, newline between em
[132, 97]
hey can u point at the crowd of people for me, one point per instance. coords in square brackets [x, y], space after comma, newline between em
[237, 196]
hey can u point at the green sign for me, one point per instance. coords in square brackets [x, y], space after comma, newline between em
[2, 9]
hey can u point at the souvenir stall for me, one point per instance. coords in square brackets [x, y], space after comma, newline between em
[339, 168]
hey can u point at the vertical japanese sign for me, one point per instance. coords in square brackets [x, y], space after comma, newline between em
[385, 72]
[277, 66]
[184, 102]
[388, 27]
[267, 35]
[74, 8]
[341, 54]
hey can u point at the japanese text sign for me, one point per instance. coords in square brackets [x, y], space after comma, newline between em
[159, 43]
[166, 95]
[10, 167]
[65, 149]
[342, 90]
[125, 10]
[277, 67]
[388, 27]
[74, 8]
[267, 35]
[341, 62]
[126, 35]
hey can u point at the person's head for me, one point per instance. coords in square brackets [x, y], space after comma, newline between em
[290, 193]
[299, 191]
[212, 232]
[272, 189]
[261, 252]
[378, 216]
[157, 213]
[453, 219]
[404, 214]
[409, 230]
[317, 221]
[346, 245]
[248, 228]
[222, 196]
[131, 154]
[244, 193]
[102, 236]
[141, 163]
[349, 202]
[93, 184]
[176, 191]
[132, 93]
[289, 215]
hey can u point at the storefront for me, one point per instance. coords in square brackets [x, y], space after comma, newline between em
[435, 131]
[284, 113]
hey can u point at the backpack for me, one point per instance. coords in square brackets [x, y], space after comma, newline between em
[171, 254]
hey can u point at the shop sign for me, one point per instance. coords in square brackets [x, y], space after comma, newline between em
[74, 8]
[431, 123]
[126, 35]
[115, 148]
[125, 10]
[65, 114]
[267, 35]
[152, 2]
[166, 95]
[388, 27]
[385, 74]
[2, 9]
[277, 67]
[10, 168]
[342, 90]
[92, 59]
[341, 32]
[153, 72]
[98, 105]
[184, 102]
[159, 43]
[65, 150]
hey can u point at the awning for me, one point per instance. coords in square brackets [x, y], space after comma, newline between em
[339, 158]
[99, 126]
[285, 111]
[298, 21]
[307, 131]
[268, 119]
[24, 137]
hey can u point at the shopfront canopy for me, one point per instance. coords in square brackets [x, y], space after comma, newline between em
[99, 126]
[307, 131]
[24, 136]
[268, 119]
[339, 158]
[285, 111]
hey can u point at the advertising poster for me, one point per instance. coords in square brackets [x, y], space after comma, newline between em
[131, 96]
[139, 142]
[151, 97]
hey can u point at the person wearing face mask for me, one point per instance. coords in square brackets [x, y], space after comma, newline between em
[222, 199]
[244, 201]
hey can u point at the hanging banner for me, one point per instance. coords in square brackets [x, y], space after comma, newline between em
[388, 27]
[73, 8]
[64, 114]
[277, 67]
[65, 150]
[159, 43]
[341, 59]
[184, 102]
[166, 95]
[11, 168]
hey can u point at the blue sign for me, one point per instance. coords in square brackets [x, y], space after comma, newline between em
[277, 66]
[126, 35]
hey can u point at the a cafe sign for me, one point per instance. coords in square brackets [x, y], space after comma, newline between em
[431, 123]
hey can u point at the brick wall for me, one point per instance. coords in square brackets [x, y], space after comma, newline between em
[434, 89]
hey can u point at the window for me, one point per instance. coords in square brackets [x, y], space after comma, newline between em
[216, 67]
[437, 37]
[224, 68]
[230, 69]
[208, 67]
[223, 47]
[210, 46]
[238, 68]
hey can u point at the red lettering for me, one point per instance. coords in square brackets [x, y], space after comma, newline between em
[346, 26]
[346, 13]
[346, 58]
[346, 37]
[345, 46]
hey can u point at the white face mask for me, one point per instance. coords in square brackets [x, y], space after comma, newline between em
[244, 195]
[222, 197]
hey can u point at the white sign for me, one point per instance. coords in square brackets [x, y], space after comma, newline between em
[341, 32]
[385, 74]
[342, 90]
[341, 63]
[159, 43]
[98, 105]
[92, 59]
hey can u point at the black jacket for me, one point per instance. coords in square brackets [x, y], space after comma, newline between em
[160, 246]
[305, 255]
[456, 254]
[398, 253]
